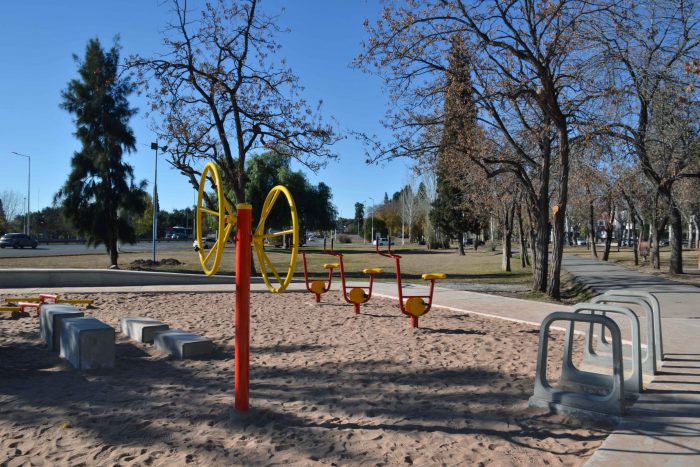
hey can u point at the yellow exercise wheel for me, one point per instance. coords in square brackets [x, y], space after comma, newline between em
[224, 215]
[260, 236]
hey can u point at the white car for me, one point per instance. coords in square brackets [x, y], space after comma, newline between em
[206, 244]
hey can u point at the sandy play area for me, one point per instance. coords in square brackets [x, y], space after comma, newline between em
[327, 388]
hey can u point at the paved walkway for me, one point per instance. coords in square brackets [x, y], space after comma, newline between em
[662, 428]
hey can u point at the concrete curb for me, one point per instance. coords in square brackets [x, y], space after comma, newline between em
[22, 278]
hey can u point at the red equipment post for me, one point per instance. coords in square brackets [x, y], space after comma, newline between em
[242, 338]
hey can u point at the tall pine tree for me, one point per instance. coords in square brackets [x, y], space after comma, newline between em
[449, 213]
[100, 196]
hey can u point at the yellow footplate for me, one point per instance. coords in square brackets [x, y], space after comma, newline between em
[433, 276]
[371, 271]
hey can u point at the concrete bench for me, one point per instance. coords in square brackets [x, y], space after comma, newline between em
[50, 322]
[182, 344]
[142, 329]
[87, 343]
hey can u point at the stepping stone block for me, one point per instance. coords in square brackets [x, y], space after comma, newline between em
[50, 318]
[87, 343]
[182, 344]
[142, 329]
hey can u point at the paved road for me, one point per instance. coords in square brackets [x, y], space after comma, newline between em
[57, 249]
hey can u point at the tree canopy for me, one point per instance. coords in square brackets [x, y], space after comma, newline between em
[314, 203]
[99, 197]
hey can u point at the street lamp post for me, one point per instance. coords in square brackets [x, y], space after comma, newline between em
[372, 218]
[155, 147]
[29, 180]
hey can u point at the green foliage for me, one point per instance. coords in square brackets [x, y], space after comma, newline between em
[380, 228]
[3, 221]
[359, 216]
[99, 197]
[51, 223]
[447, 215]
[314, 206]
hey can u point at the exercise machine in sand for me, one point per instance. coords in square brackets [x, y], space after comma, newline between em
[317, 286]
[414, 306]
[357, 296]
[22, 304]
[226, 220]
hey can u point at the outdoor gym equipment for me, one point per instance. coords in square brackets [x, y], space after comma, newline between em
[358, 296]
[24, 303]
[317, 286]
[414, 306]
[227, 219]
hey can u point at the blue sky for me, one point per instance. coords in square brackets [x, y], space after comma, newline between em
[39, 38]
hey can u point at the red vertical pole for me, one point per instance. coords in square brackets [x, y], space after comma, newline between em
[242, 339]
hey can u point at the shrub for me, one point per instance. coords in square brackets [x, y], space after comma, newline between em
[344, 239]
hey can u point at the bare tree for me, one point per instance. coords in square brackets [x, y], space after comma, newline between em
[409, 208]
[222, 97]
[12, 205]
[528, 60]
[648, 51]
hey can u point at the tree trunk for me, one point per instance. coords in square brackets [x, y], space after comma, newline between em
[608, 241]
[524, 257]
[676, 223]
[554, 287]
[655, 257]
[113, 253]
[460, 240]
[507, 250]
[591, 226]
[541, 256]
[634, 239]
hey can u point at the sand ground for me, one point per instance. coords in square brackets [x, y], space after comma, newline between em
[327, 388]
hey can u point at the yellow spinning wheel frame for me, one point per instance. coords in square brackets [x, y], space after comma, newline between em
[226, 221]
[259, 237]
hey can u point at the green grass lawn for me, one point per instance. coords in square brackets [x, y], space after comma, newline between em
[476, 266]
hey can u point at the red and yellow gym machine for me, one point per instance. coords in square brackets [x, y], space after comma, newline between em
[245, 238]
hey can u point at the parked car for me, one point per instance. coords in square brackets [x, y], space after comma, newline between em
[206, 243]
[17, 240]
[663, 242]
[382, 241]
[581, 242]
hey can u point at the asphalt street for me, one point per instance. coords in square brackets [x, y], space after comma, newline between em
[57, 249]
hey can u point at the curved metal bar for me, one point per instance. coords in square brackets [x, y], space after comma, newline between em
[656, 309]
[634, 383]
[564, 400]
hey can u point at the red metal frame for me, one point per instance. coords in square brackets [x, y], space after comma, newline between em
[242, 337]
[402, 307]
[24, 305]
[327, 287]
[368, 293]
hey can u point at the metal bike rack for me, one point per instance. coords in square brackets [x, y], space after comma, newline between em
[576, 402]
[653, 303]
[633, 385]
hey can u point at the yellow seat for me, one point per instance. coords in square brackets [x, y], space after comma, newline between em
[371, 271]
[433, 276]
[331, 266]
